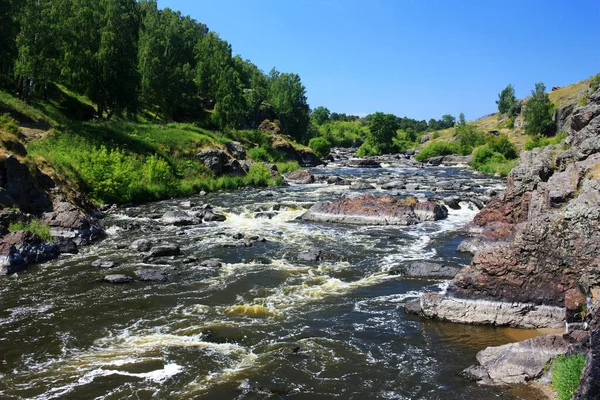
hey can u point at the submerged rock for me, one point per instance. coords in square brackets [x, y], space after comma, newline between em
[426, 269]
[165, 251]
[376, 210]
[117, 279]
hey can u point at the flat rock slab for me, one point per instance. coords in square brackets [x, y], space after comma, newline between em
[178, 218]
[516, 362]
[427, 269]
[165, 251]
[375, 210]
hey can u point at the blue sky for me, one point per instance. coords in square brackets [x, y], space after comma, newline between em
[419, 58]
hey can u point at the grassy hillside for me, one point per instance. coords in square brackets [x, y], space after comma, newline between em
[123, 161]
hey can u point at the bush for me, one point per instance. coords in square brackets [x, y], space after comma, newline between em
[501, 144]
[366, 150]
[488, 161]
[260, 154]
[566, 375]
[320, 146]
[594, 83]
[542, 141]
[35, 226]
[436, 149]
[538, 113]
[290, 166]
[8, 124]
[468, 138]
[258, 175]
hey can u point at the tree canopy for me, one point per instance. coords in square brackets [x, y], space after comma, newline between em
[538, 112]
[507, 101]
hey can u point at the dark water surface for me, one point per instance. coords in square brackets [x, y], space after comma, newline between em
[263, 326]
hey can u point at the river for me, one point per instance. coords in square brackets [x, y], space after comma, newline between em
[263, 325]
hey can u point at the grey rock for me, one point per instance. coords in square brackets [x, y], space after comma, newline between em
[236, 150]
[165, 251]
[427, 269]
[211, 263]
[141, 245]
[214, 159]
[151, 275]
[66, 245]
[361, 186]
[364, 163]
[178, 218]
[117, 279]
[310, 256]
[302, 176]
[104, 264]
[394, 185]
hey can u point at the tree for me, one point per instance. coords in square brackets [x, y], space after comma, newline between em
[461, 119]
[214, 57]
[320, 115]
[231, 108]
[8, 35]
[382, 129]
[538, 112]
[507, 101]
[448, 121]
[288, 95]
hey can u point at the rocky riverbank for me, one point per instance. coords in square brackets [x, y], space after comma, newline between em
[536, 251]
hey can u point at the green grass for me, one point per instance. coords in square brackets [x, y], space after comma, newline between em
[35, 226]
[543, 141]
[289, 166]
[566, 375]
[435, 149]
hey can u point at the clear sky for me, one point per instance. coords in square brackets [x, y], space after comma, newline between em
[417, 58]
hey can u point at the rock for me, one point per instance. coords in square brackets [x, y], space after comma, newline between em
[234, 167]
[151, 275]
[474, 245]
[141, 245]
[104, 264]
[363, 163]
[413, 186]
[561, 116]
[426, 269]
[518, 362]
[66, 215]
[269, 127]
[214, 159]
[66, 245]
[178, 218]
[24, 187]
[22, 248]
[273, 169]
[302, 176]
[186, 204]
[308, 159]
[210, 216]
[394, 185]
[236, 150]
[481, 312]
[576, 304]
[375, 210]
[425, 138]
[361, 186]
[238, 236]
[435, 161]
[117, 279]
[310, 256]
[165, 251]
[211, 263]
[452, 202]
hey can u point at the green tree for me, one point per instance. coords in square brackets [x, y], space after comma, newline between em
[8, 35]
[166, 59]
[382, 129]
[538, 112]
[507, 101]
[231, 108]
[461, 119]
[288, 95]
[213, 56]
[448, 121]
[320, 115]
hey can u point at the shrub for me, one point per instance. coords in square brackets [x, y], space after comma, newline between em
[290, 166]
[468, 138]
[35, 226]
[501, 144]
[258, 175]
[436, 149]
[366, 150]
[542, 141]
[538, 113]
[566, 375]
[260, 154]
[320, 146]
[594, 83]
[488, 161]
[8, 124]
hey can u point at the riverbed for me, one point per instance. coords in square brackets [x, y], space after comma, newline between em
[257, 322]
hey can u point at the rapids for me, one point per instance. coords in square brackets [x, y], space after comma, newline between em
[262, 326]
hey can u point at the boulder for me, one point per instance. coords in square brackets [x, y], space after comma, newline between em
[361, 186]
[363, 163]
[234, 167]
[394, 185]
[427, 269]
[164, 251]
[375, 210]
[66, 245]
[151, 275]
[178, 218]
[141, 245]
[214, 159]
[236, 150]
[211, 263]
[211, 216]
[518, 362]
[24, 187]
[22, 248]
[308, 159]
[309, 256]
[301, 176]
